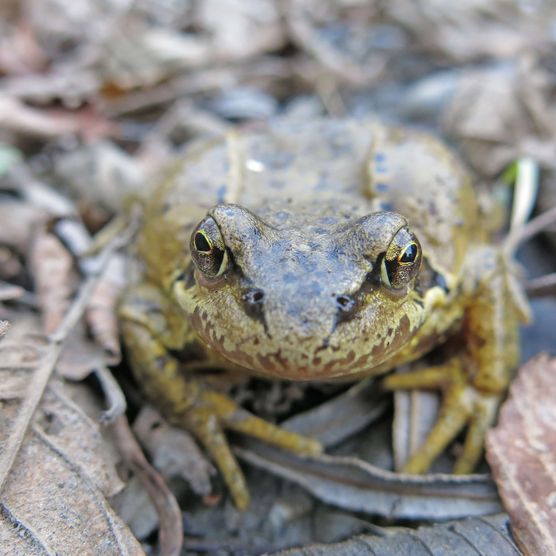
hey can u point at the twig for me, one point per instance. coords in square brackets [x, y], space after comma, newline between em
[532, 228]
[9, 292]
[542, 286]
[113, 395]
[171, 526]
[53, 349]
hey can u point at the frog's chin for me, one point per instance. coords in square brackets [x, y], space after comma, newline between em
[299, 366]
[323, 353]
[306, 361]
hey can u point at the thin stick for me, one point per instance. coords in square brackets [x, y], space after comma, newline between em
[541, 286]
[113, 395]
[527, 231]
[46, 366]
[171, 525]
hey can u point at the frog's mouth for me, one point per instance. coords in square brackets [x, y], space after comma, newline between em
[351, 349]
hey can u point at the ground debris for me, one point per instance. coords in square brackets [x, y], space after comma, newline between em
[522, 453]
[94, 101]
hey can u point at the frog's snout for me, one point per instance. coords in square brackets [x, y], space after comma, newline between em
[300, 319]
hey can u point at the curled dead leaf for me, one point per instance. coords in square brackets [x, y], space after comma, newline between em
[522, 453]
[356, 485]
[54, 276]
[488, 536]
[50, 124]
[19, 223]
[173, 451]
[61, 476]
[101, 312]
[471, 31]
[497, 120]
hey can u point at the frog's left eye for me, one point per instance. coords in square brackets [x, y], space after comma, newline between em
[208, 250]
[401, 261]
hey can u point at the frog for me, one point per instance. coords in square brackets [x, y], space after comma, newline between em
[330, 250]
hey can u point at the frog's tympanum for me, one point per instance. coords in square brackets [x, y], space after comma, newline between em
[317, 252]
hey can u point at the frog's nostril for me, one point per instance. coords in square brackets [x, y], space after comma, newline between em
[345, 303]
[254, 296]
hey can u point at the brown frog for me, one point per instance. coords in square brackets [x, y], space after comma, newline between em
[336, 249]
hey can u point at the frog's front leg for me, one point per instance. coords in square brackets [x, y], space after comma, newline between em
[152, 327]
[474, 382]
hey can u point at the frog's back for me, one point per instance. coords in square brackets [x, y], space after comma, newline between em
[334, 168]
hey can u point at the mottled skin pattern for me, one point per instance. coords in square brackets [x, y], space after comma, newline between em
[304, 224]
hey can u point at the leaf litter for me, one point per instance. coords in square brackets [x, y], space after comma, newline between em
[95, 100]
[46, 506]
[521, 450]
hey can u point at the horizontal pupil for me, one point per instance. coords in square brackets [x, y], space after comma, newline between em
[201, 242]
[409, 254]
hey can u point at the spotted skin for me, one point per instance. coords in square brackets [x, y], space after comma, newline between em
[300, 288]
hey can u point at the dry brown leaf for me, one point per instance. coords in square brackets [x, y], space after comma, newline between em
[171, 524]
[497, 119]
[20, 52]
[241, 29]
[522, 453]
[139, 56]
[54, 496]
[488, 536]
[73, 85]
[173, 451]
[80, 21]
[55, 280]
[9, 292]
[19, 118]
[19, 222]
[55, 469]
[470, 31]
[101, 174]
[355, 485]
[80, 356]
[101, 311]
[347, 69]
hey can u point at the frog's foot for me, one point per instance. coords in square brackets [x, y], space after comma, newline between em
[462, 405]
[212, 412]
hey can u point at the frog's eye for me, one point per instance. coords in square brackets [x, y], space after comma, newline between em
[401, 261]
[208, 250]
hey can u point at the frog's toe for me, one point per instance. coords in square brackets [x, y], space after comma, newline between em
[238, 419]
[212, 412]
[484, 413]
[462, 405]
[454, 414]
[206, 427]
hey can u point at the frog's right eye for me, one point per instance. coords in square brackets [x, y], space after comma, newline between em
[402, 260]
[208, 250]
